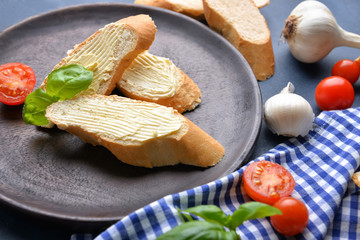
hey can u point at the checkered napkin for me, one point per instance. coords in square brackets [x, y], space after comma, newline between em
[322, 164]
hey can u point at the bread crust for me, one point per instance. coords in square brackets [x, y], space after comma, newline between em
[190, 145]
[196, 13]
[191, 11]
[258, 53]
[186, 98]
[145, 29]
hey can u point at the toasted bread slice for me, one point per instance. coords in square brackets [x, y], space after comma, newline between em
[138, 133]
[191, 8]
[110, 50]
[157, 79]
[242, 24]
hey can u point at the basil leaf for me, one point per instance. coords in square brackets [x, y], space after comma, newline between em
[252, 210]
[67, 81]
[210, 213]
[35, 107]
[195, 230]
[184, 217]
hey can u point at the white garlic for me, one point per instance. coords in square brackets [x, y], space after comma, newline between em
[288, 114]
[312, 32]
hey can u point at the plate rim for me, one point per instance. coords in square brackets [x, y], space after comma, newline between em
[249, 147]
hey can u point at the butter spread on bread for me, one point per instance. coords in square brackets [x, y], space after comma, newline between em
[242, 24]
[138, 133]
[157, 79]
[110, 50]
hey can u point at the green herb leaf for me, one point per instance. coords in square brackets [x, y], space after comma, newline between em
[67, 81]
[35, 107]
[210, 213]
[252, 210]
[62, 83]
[184, 217]
[196, 230]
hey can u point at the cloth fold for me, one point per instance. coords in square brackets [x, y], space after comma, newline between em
[321, 163]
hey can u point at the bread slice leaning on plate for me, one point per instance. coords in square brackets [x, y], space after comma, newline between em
[138, 133]
[110, 50]
[242, 24]
[157, 79]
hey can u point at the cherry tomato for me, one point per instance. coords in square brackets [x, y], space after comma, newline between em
[334, 93]
[294, 218]
[17, 80]
[347, 69]
[267, 182]
[358, 61]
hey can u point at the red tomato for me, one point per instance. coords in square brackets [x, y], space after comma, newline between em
[358, 61]
[16, 81]
[267, 182]
[294, 218]
[334, 93]
[347, 69]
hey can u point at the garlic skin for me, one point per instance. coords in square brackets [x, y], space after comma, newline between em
[288, 114]
[312, 32]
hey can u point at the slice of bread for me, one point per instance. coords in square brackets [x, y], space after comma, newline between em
[242, 24]
[191, 8]
[261, 3]
[138, 133]
[110, 50]
[157, 79]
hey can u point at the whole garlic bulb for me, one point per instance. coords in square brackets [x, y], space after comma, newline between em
[288, 114]
[312, 32]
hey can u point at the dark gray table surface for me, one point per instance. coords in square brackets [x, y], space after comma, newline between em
[15, 224]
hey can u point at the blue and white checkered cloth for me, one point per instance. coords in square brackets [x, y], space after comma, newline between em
[322, 164]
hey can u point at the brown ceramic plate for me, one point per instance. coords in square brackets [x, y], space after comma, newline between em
[53, 173]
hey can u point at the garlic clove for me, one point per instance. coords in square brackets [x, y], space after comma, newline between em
[312, 32]
[288, 114]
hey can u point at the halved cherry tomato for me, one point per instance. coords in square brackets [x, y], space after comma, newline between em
[17, 80]
[294, 218]
[334, 93]
[347, 69]
[267, 182]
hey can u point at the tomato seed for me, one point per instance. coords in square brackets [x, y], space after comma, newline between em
[259, 169]
[274, 194]
[6, 72]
